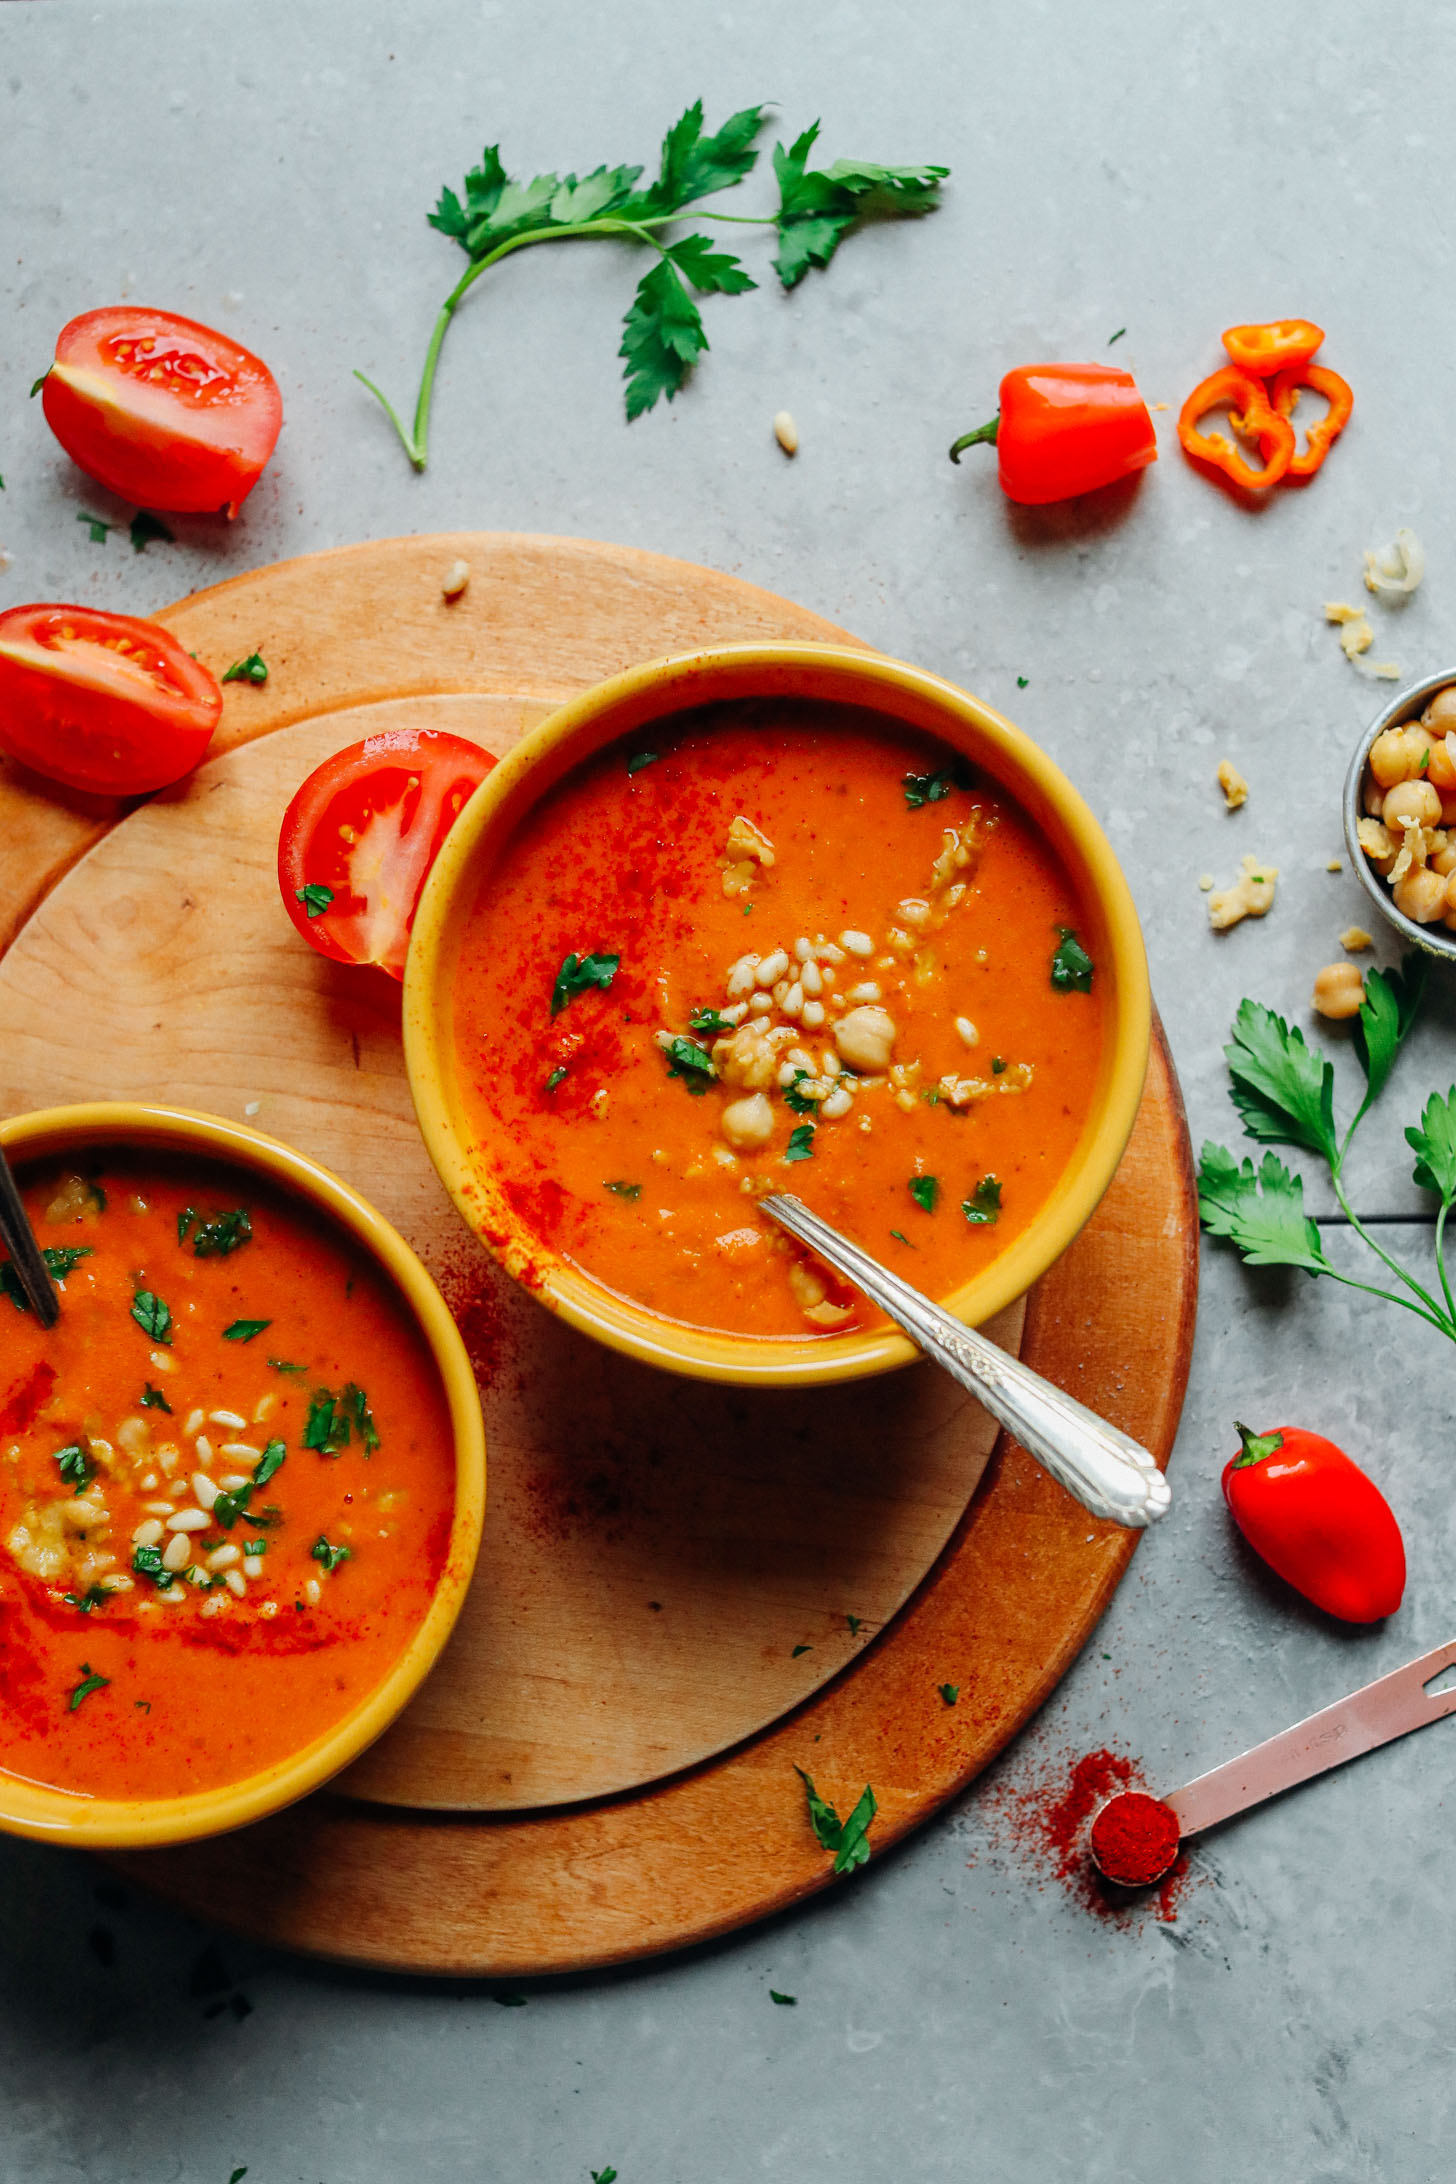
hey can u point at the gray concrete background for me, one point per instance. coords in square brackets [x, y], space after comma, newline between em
[1169, 169]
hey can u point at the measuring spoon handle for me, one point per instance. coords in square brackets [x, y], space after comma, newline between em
[1388, 1708]
[1110, 1473]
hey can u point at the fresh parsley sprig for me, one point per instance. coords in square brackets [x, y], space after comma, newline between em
[1284, 1093]
[662, 334]
[846, 1838]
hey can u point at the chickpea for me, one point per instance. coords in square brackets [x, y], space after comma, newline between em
[748, 1124]
[1451, 893]
[1448, 811]
[1338, 990]
[865, 1038]
[1444, 860]
[1440, 714]
[1441, 766]
[1395, 755]
[1421, 895]
[1411, 804]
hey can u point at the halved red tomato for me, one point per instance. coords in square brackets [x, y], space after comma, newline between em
[166, 412]
[102, 701]
[359, 838]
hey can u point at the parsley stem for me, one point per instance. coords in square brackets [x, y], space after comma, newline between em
[1434, 1313]
[737, 219]
[1441, 1257]
[416, 444]
[1435, 1319]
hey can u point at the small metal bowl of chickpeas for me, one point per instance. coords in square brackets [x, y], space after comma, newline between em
[1400, 814]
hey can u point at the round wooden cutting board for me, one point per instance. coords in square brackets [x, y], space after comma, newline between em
[683, 1589]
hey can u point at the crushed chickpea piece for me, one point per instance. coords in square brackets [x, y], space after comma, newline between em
[1205, 881]
[1251, 895]
[1235, 787]
[1356, 939]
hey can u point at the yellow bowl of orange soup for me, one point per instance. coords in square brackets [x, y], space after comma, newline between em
[774, 917]
[241, 1480]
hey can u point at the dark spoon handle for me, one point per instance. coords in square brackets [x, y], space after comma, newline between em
[15, 1230]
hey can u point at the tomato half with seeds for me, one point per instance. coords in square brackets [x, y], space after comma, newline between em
[102, 701]
[165, 412]
[360, 836]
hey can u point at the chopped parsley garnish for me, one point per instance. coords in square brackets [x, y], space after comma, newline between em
[1022, 681]
[578, 975]
[269, 1462]
[147, 1562]
[598, 2176]
[623, 1190]
[798, 1650]
[691, 1062]
[89, 1683]
[315, 897]
[223, 1234]
[60, 1259]
[286, 1365]
[152, 1315]
[153, 1399]
[1071, 965]
[145, 527]
[931, 788]
[794, 1099]
[99, 530]
[998, 1064]
[228, 1507]
[709, 1022]
[75, 1466]
[238, 2175]
[642, 758]
[185, 1220]
[847, 1838]
[557, 1076]
[983, 1207]
[950, 1692]
[92, 1597]
[334, 1419]
[785, 2001]
[801, 1143]
[243, 1330]
[1117, 336]
[254, 670]
[329, 1556]
[854, 1622]
[925, 1190]
[931, 1095]
[902, 1239]
[255, 1546]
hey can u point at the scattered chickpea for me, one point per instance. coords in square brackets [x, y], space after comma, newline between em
[1411, 804]
[1339, 990]
[1421, 895]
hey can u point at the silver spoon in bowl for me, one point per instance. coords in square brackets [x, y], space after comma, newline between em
[25, 1256]
[1110, 1473]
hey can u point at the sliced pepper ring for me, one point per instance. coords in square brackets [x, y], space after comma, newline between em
[1265, 350]
[1250, 412]
[1284, 393]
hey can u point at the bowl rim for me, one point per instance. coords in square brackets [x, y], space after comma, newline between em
[631, 700]
[1434, 940]
[47, 1814]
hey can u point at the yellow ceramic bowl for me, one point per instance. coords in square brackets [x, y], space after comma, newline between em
[626, 704]
[95, 1823]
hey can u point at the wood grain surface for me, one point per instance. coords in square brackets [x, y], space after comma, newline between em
[634, 1614]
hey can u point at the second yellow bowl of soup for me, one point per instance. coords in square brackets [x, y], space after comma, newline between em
[774, 917]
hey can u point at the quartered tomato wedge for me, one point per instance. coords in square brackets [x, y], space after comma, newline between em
[102, 701]
[359, 838]
[165, 412]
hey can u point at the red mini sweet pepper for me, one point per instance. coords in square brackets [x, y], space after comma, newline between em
[1064, 429]
[1317, 1520]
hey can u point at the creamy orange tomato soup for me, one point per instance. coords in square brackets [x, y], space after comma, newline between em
[766, 947]
[227, 1482]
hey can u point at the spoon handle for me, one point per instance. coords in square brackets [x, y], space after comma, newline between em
[1390, 1707]
[15, 1231]
[1110, 1473]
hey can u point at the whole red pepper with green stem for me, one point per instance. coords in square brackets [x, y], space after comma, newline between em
[1319, 1521]
[1064, 429]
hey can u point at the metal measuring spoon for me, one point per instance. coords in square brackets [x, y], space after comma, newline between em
[1110, 1473]
[1388, 1708]
[19, 1240]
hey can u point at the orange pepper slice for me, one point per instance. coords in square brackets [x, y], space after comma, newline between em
[1249, 412]
[1265, 350]
[1321, 436]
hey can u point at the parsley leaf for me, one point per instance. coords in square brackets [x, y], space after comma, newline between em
[785, 2001]
[557, 1076]
[76, 1467]
[144, 528]
[950, 1692]
[89, 1683]
[254, 670]
[598, 2176]
[315, 897]
[286, 1365]
[1072, 967]
[243, 1330]
[578, 975]
[902, 1239]
[230, 1506]
[84, 1603]
[932, 788]
[1389, 1010]
[694, 165]
[983, 1208]
[147, 1562]
[709, 1023]
[662, 338]
[641, 759]
[329, 1556]
[801, 1143]
[1022, 681]
[99, 530]
[152, 1315]
[334, 1419]
[925, 1190]
[270, 1461]
[222, 1235]
[847, 1839]
[1434, 1144]
[794, 1099]
[818, 206]
[60, 1259]
[153, 1399]
[1262, 1214]
[797, 1650]
[1284, 1093]
[693, 1063]
[624, 1190]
